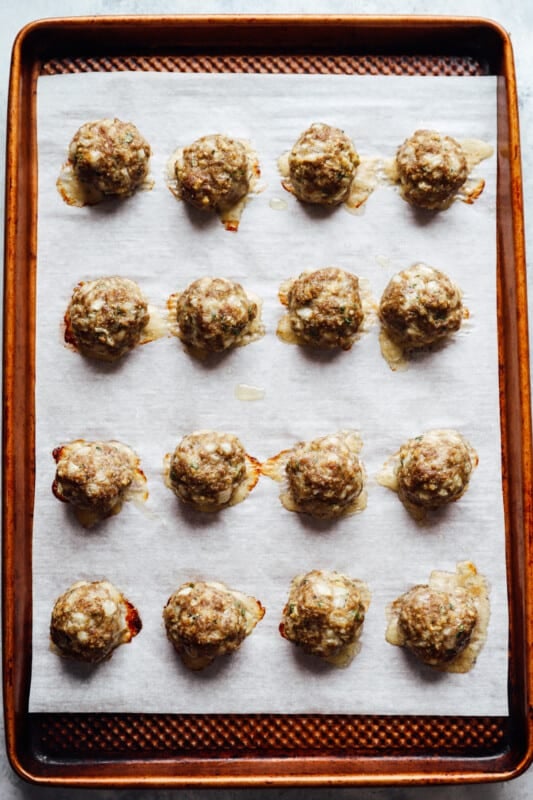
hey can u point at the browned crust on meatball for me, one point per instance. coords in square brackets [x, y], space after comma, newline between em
[431, 168]
[445, 621]
[94, 475]
[324, 614]
[322, 165]
[209, 469]
[325, 476]
[110, 155]
[106, 317]
[213, 314]
[213, 173]
[90, 620]
[420, 306]
[436, 625]
[325, 309]
[434, 469]
[206, 620]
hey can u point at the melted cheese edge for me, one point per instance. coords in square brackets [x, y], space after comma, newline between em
[286, 333]
[254, 331]
[387, 476]
[366, 179]
[80, 193]
[465, 577]
[240, 493]
[253, 613]
[274, 468]
[230, 217]
[475, 151]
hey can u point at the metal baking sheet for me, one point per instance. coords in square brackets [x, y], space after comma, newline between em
[229, 749]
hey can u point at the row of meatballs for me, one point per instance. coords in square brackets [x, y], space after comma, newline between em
[108, 157]
[326, 308]
[211, 471]
[442, 622]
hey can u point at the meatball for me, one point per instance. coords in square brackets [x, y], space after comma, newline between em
[204, 620]
[445, 621]
[325, 308]
[90, 620]
[322, 165]
[213, 173]
[434, 469]
[207, 469]
[431, 169]
[94, 476]
[214, 314]
[110, 155]
[436, 625]
[420, 306]
[324, 615]
[106, 317]
[325, 475]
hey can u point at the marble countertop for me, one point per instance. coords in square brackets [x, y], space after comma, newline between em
[517, 17]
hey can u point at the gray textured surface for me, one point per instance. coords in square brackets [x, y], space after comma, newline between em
[517, 17]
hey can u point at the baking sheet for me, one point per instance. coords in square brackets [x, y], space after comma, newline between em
[159, 393]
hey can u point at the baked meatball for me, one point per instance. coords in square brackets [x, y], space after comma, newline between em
[106, 317]
[434, 469]
[207, 469]
[420, 306]
[94, 476]
[444, 622]
[325, 476]
[91, 619]
[204, 620]
[110, 155]
[322, 165]
[215, 314]
[213, 173]
[324, 308]
[324, 614]
[436, 625]
[431, 169]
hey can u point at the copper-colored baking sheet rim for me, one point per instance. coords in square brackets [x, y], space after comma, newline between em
[223, 750]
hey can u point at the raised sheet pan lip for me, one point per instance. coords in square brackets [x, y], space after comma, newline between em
[32, 43]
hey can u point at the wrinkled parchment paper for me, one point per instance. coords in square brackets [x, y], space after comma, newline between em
[159, 393]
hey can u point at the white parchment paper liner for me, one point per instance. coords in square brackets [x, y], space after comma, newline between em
[160, 393]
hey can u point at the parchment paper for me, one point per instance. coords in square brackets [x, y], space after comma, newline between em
[159, 393]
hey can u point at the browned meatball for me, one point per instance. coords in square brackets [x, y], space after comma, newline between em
[213, 173]
[420, 306]
[324, 614]
[325, 308]
[431, 168]
[204, 620]
[436, 625]
[215, 314]
[207, 468]
[90, 620]
[322, 165]
[106, 317]
[325, 475]
[94, 475]
[434, 468]
[110, 155]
